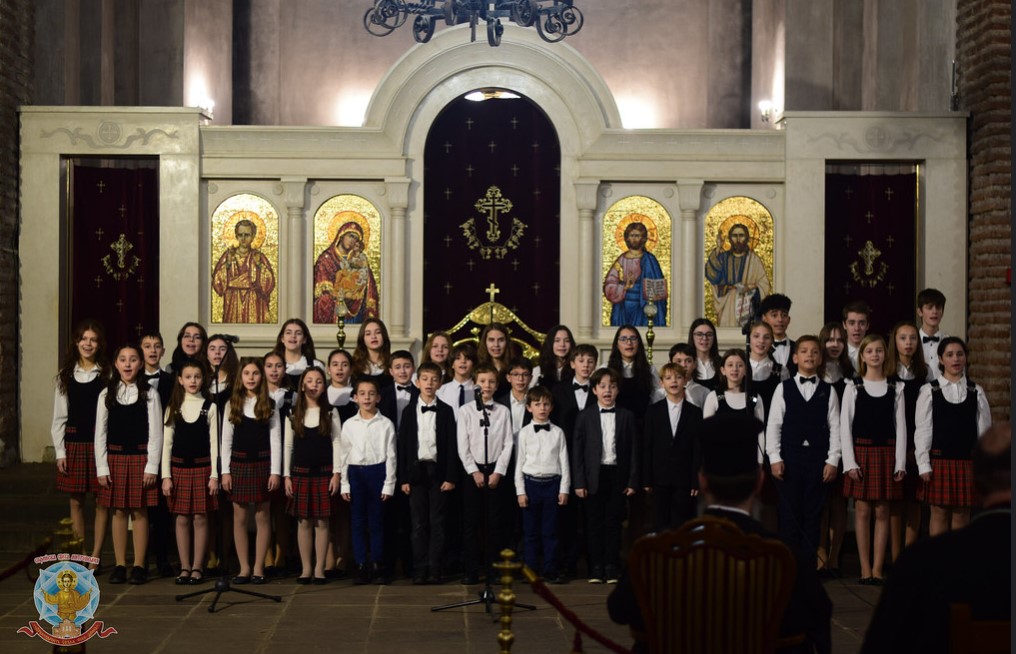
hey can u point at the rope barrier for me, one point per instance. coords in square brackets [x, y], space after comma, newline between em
[25, 562]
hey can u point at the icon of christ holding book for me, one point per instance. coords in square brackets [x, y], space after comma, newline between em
[634, 280]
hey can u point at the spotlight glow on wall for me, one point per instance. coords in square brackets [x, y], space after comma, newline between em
[636, 112]
[351, 108]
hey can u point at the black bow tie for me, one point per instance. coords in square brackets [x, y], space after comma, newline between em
[404, 389]
[580, 387]
[541, 427]
[424, 408]
[808, 380]
[153, 375]
[930, 339]
[779, 343]
[488, 407]
[607, 410]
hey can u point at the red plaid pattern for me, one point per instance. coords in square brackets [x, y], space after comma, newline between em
[952, 484]
[250, 481]
[190, 491]
[877, 485]
[126, 483]
[81, 476]
[310, 496]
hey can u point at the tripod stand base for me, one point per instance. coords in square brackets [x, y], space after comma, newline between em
[222, 586]
[485, 597]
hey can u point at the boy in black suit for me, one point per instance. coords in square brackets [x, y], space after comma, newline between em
[570, 398]
[395, 398]
[428, 469]
[671, 453]
[775, 310]
[605, 471]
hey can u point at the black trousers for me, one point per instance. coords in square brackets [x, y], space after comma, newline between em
[672, 506]
[802, 498]
[486, 521]
[605, 511]
[427, 510]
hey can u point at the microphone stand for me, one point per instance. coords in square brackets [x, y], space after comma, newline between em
[485, 596]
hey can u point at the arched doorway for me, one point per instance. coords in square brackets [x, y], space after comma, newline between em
[492, 198]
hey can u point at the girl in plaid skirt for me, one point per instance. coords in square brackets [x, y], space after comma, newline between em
[874, 436]
[906, 364]
[78, 384]
[282, 525]
[952, 413]
[251, 463]
[128, 447]
[312, 464]
[190, 481]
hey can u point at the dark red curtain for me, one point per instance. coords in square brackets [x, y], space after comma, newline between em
[479, 158]
[870, 247]
[114, 249]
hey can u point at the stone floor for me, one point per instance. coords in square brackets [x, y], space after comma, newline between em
[338, 617]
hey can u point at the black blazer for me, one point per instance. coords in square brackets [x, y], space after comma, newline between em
[791, 366]
[566, 409]
[408, 444]
[506, 400]
[588, 451]
[669, 459]
[387, 404]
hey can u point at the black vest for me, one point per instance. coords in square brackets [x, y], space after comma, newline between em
[312, 452]
[766, 387]
[722, 408]
[805, 421]
[874, 417]
[911, 389]
[954, 426]
[82, 402]
[127, 428]
[191, 447]
[252, 440]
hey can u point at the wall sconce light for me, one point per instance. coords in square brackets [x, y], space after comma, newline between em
[765, 108]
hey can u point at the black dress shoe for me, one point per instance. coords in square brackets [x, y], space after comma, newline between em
[119, 575]
[556, 579]
[199, 579]
[258, 580]
[241, 580]
[138, 576]
[419, 580]
[303, 581]
[319, 581]
[612, 573]
[377, 573]
[596, 575]
[362, 575]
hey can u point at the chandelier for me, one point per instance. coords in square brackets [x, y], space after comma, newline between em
[553, 19]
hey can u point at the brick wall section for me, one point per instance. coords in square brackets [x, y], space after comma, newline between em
[17, 18]
[983, 56]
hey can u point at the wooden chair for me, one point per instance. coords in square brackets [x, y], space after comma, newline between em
[971, 636]
[707, 587]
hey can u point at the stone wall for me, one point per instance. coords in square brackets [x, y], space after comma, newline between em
[984, 50]
[16, 24]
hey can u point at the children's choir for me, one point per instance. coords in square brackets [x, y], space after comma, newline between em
[373, 463]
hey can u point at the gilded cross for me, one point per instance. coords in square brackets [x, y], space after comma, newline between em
[141, 280]
[889, 193]
[493, 290]
[515, 122]
[98, 281]
[99, 233]
[491, 204]
[536, 288]
[470, 263]
[119, 306]
[848, 239]
[890, 287]
[101, 185]
[515, 170]
[121, 247]
[869, 216]
[122, 210]
[139, 328]
[869, 253]
[447, 194]
[849, 192]
[515, 265]
[470, 169]
[537, 240]
[492, 145]
[889, 239]
[447, 241]
[448, 288]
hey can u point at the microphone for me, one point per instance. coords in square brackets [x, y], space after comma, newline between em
[754, 313]
[479, 399]
[231, 338]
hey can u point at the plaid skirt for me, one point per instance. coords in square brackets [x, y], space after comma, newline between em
[952, 484]
[81, 476]
[310, 495]
[250, 481]
[190, 491]
[877, 485]
[126, 483]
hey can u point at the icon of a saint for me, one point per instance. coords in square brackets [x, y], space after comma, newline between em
[344, 283]
[737, 275]
[244, 278]
[67, 600]
[634, 280]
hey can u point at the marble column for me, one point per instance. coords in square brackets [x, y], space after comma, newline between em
[398, 199]
[294, 195]
[585, 196]
[689, 195]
